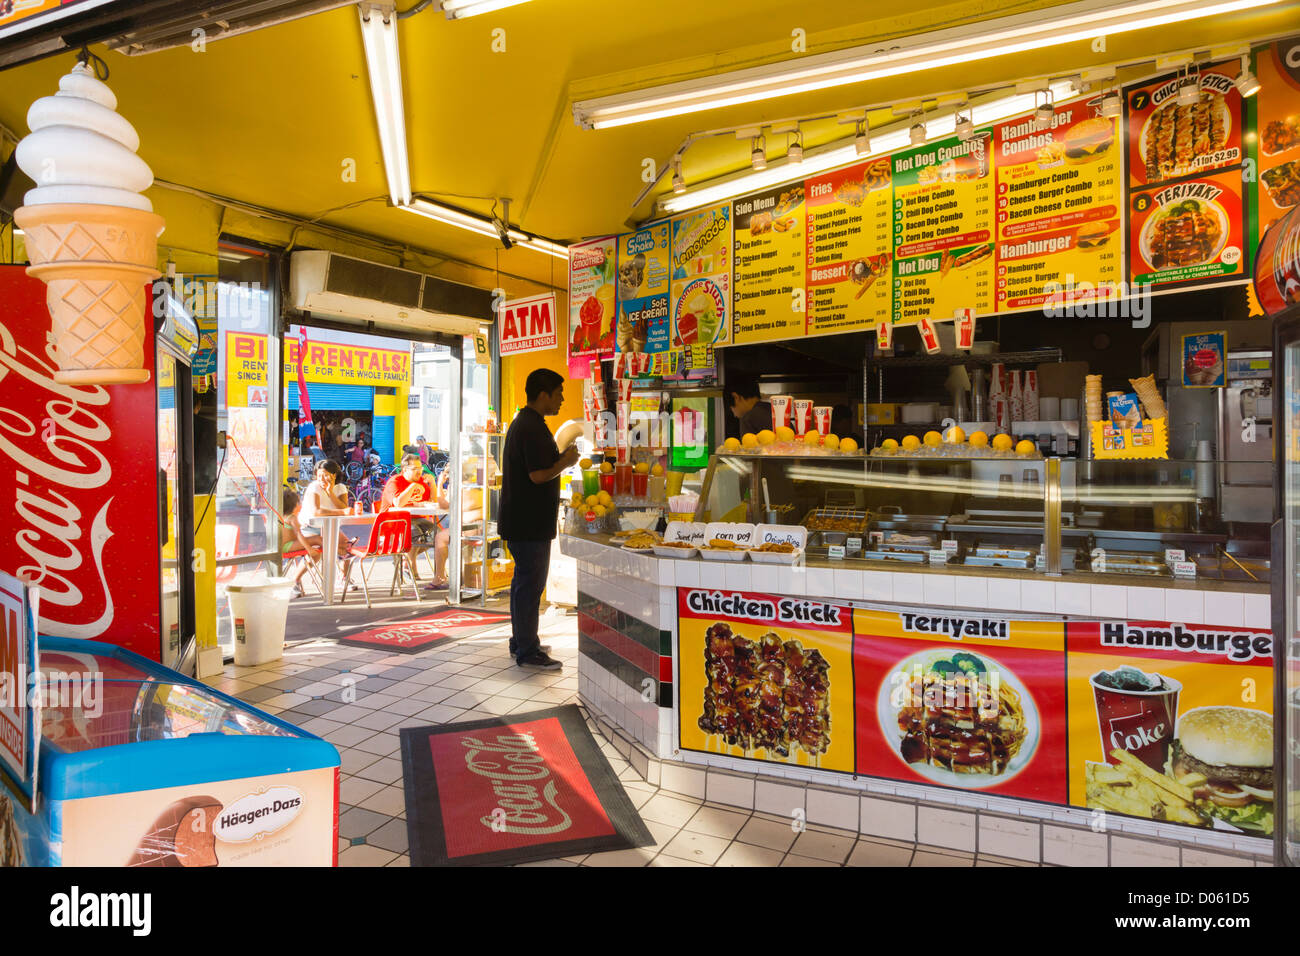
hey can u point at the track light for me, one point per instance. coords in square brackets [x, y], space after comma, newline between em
[963, 126]
[490, 228]
[1111, 104]
[1043, 111]
[679, 184]
[794, 151]
[1189, 90]
[758, 155]
[1247, 84]
[917, 134]
[862, 142]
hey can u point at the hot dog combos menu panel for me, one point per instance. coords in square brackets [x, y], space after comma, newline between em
[1059, 198]
[1185, 201]
[1163, 721]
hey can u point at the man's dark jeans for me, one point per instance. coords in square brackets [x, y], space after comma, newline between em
[532, 564]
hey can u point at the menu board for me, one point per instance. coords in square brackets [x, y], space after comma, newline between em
[1168, 139]
[593, 297]
[1059, 196]
[849, 248]
[943, 229]
[701, 286]
[1277, 106]
[643, 288]
[1153, 704]
[1187, 231]
[768, 298]
[961, 700]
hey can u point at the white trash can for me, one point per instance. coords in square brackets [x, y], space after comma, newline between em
[258, 613]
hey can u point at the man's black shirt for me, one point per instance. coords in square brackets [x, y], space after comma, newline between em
[528, 510]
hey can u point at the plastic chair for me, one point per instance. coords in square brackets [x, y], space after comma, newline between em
[390, 537]
[227, 546]
[293, 558]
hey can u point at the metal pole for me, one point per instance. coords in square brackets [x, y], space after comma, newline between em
[275, 442]
[1052, 515]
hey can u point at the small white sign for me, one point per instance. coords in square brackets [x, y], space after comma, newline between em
[949, 545]
[835, 552]
[1174, 554]
[1184, 569]
[258, 815]
[741, 533]
[938, 556]
[853, 544]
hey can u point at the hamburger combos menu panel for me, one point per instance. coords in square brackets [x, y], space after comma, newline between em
[1165, 721]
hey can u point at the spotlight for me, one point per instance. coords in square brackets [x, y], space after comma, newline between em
[758, 155]
[1043, 111]
[862, 142]
[794, 152]
[1189, 91]
[963, 126]
[679, 184]
[1247, 84]
[917, 134]
[1111, 105]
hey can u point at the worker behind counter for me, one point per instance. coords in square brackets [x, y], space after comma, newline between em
[754, 415]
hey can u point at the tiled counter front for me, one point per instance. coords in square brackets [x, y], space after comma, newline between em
[628, 627]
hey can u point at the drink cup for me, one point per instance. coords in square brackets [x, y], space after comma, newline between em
[822, 419]
[657, 488]
[590, 481]
[1138, 721]
[623, 478]
[803, 413]
[675, 482]
[625, 390]
[607, 483]
[781, 411]
[966, 329]
[929, 336]
[640, 484]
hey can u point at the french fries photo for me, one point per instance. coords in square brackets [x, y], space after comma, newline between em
[1131, 787]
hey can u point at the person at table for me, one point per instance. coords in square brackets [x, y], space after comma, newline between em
[327, 495]
[293, 537]
[530, 501]
[411, 488]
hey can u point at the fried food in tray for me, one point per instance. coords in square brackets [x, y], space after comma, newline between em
[679, 545]
[829, 519]
[725, 544]
[1186, 234]
[641, 540]
[1283, 184]
[776, 547]
[1280, 135]
[766, 694]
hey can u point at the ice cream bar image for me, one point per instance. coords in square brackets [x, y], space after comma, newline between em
[181, 836]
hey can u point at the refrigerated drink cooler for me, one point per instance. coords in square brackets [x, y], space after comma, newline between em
[142, 766]
[1286, 587]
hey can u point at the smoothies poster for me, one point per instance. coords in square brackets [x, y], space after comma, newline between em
[1059, 198]
[943, 229]
[850, 248]
[643, 312]
[1169, 140]
[768, 303]
[766, 678]
[961, 700]
[1173, 722]
[592, 297]
[1277, 108]
[1188, 231]
[701, 264]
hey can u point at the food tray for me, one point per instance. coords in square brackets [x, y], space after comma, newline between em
[911, 557]
[639, 550]
[975, 561]
[666, 552]
[776, 557]
[710, 554]
[847, 520]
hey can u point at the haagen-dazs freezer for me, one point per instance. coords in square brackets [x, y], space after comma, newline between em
[142, 766]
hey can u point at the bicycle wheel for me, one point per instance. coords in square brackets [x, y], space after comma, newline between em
[353, 472]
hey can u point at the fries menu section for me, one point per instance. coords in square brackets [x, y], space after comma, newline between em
[849, 248]
[1169, 722]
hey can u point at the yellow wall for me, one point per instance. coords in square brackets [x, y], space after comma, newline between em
[514, 372]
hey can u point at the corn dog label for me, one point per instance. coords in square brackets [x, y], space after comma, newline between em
[1059, 199]
[943, 229]
[849, 248]
[769, 301]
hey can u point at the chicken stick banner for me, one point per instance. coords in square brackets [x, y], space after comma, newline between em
[766, 678]
[849, 248]
[943, 229]
[961, 700]
[768, 299]
[1171, 135]
[1173, 722]
[1059, 199]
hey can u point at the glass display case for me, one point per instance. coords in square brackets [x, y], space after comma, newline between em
[1286, 589]
[486, 564]
[1155, 518]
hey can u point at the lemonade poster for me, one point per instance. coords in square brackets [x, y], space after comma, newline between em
[701, 289]
[593, 294]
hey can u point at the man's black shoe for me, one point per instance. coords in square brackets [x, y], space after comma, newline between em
[544, 648]
[538, 661]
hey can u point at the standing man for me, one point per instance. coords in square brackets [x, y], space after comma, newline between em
[530, 500]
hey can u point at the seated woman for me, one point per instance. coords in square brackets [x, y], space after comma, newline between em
[327, 495]
[410, 488]
[294, 538]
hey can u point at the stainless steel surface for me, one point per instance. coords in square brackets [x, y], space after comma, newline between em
[1245, 420]
[1052, 516]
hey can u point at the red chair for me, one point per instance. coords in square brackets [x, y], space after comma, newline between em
[227, 546]
[293, 558]
[390, 537]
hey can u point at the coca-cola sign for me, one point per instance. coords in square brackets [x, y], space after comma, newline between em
[80, 464]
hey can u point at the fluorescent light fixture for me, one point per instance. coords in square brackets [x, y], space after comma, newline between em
[1111, 104]
[379, 35]
[482, 226]
[1053, 26]
[841, 154]
[460, 9]
[1247, 84]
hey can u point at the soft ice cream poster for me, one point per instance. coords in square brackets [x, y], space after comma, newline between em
[593, 279]
[643, 308]
[1203, 360]
[701, 262]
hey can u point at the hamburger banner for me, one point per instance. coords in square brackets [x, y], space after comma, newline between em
[1059, 202]
[961, 700]
[1173, 722]
[766, 678]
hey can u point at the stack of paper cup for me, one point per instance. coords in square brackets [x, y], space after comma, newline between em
[1030, 396]
[1016, 398]
[1092, 398]
[1049, 407]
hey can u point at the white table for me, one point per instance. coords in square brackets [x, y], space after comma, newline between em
[330, 525]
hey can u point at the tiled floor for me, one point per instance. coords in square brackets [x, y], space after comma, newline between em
[359, 699]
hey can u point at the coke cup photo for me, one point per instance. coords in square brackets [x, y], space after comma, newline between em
[966, 329]
[803, 408]
[929, 337]
[781, 411]
[624, 390]
[1138, 721]
[822, 419]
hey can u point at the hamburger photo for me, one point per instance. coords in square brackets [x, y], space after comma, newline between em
[1092, 235]
[1088, 140]
[1225, 755]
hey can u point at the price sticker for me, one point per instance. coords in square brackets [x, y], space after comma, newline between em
[853, 544]
[938, 556]
[835, 552]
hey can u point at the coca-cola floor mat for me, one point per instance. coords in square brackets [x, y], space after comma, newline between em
[410, 635]
[511, 790]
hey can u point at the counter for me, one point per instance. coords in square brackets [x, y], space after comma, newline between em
[1047, 635]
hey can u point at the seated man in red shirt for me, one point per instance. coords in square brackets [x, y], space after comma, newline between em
[411, 488]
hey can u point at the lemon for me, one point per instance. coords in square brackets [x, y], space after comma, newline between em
[832, 442]
[848, 444]
[599, 511]
[784, 433]
[889, 445]
[642, 468]
[955, 435]
[585, 463]
[766, 437]
[731, 444]
[606, 468]
[812, 438]
[604, 499]
[979, 439]
[749, 441]
[658, 470]
[911, 443]
[576, 501]
[593, 500]
[933, 439]
[1025, 447]
[1002, 443]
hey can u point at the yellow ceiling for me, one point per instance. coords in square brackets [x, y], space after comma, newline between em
[271, 118]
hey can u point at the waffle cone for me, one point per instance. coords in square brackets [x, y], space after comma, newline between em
[96, 262]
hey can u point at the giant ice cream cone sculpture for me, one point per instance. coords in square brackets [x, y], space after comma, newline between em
[90, 235]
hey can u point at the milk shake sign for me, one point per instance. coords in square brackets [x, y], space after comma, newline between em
[528, 325]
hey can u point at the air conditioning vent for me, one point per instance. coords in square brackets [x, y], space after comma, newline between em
[443, 296]
[369, 280]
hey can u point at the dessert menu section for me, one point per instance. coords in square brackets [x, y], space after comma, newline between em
[769, 299]
[943, 229]
[849, 248]
[1059, 196]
